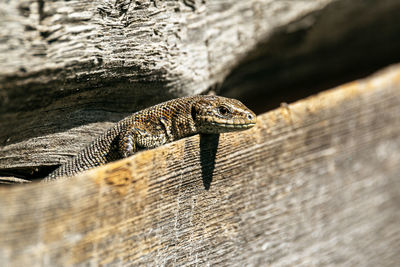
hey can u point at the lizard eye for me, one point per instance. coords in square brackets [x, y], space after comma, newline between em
[223, 110]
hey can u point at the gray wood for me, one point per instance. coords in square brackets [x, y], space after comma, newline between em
[314, 183]
[69, 69]
[12, 180]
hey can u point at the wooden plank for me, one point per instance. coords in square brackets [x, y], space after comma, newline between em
[314, 183]
[70, 69]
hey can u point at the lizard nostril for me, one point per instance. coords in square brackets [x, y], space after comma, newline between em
[250, 117]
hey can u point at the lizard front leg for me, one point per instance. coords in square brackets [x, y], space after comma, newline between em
[137, 138]
[127, 143]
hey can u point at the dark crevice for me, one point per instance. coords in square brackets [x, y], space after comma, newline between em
[41, 10]
[29, 173]
[338, 47]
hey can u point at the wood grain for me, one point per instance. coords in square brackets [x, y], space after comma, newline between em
[314, 183]
[70, 69]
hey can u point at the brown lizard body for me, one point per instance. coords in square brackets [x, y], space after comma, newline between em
[158, 125]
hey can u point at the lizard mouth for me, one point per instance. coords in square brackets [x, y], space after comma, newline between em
[233, 125]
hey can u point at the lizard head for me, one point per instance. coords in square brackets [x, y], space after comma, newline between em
[216, 114]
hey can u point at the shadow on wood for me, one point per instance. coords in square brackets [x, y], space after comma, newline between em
[208, 152]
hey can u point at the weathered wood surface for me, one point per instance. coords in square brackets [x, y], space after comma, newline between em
[12, 180]
[69, 69]
[314, 183]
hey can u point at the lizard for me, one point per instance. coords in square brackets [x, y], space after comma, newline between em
[158, 125]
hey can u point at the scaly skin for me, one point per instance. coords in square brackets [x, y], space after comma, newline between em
[158, 125]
